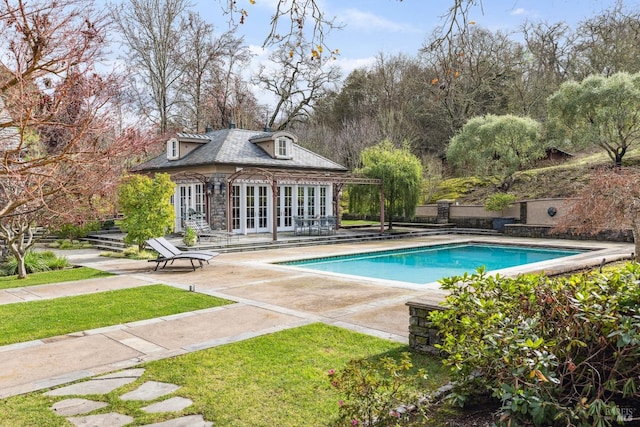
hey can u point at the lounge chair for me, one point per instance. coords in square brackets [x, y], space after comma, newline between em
[176, 251]
[168, 252]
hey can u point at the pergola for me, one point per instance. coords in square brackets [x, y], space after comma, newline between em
[275, 177]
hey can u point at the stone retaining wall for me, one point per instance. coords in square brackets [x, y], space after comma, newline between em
[541, 231]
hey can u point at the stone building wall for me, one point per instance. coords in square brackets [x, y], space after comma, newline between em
[218, 200]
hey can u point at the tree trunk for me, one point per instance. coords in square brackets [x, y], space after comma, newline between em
[19, 251]
[22, 269]
[19, 239]
[620, 152]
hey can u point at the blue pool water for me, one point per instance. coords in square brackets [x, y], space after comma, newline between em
[431, 263]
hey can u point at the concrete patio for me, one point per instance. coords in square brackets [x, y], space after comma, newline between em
[269, 298]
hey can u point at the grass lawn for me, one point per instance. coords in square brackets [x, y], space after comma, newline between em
[54, 276]
[28, 321]
[358, 222]
[272, 380]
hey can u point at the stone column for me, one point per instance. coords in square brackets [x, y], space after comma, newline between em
[523, 212]
[444, 209]
[422, 334]
[218, 199]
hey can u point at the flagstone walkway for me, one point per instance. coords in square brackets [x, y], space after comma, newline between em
[76, 409]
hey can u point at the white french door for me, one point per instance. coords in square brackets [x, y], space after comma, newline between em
[252, 206]
[256, 209]
[188, 203]
[285, 207]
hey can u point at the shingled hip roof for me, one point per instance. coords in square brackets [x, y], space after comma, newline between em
[237, 147]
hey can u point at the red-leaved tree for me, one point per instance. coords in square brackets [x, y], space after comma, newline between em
[610, 201]
[61, 144]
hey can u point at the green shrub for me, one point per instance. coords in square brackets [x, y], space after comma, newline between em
[53, 261]
[554, 351]
[190, 237]
[35, 262]
[74, 232]
[144, 254]
[111, 254]
[499, 202]
[107, 224]
[374, 391]
[146, 206]
[130, 252]
[66, 244]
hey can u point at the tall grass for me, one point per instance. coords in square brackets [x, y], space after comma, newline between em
[35, 262]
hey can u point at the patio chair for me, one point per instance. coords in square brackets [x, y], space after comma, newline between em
[302, 226]
[168, 252]
[327, 225]
[201, 228]
[221, 234]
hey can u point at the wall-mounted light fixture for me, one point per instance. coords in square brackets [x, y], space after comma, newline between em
[222, 186]
[209, 187]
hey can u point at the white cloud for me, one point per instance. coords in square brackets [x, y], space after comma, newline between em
[347, 65]
[355, 18]
[518, 11]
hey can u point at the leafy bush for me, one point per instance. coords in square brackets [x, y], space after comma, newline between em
[374, 391]
[554, 351]
[134, 253]
[131, 252]
[74, 232]
[189, 237]
[107, 224]
[146, 206]
[499, 202]
[35, 262]
[69, 244]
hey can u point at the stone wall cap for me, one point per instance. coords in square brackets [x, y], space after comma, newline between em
[429, 305]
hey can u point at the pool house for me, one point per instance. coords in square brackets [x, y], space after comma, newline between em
[247, 181]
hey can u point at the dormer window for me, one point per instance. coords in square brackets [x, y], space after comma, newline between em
[172, 149]
[279, 145]
[283, 148]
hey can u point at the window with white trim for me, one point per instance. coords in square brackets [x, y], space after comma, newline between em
[283, 149]
[172, 149]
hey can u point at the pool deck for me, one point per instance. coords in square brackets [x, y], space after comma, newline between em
[269, 298]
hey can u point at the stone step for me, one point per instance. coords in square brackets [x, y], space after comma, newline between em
[107, 241]
[101, 242]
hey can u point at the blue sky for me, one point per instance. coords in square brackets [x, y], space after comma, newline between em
[392, 26]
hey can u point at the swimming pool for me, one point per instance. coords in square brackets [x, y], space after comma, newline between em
[428, 264]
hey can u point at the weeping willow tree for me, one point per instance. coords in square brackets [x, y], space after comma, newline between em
[496, 146]
[401, 175]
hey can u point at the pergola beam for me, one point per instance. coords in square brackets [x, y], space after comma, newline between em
[276, 177]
